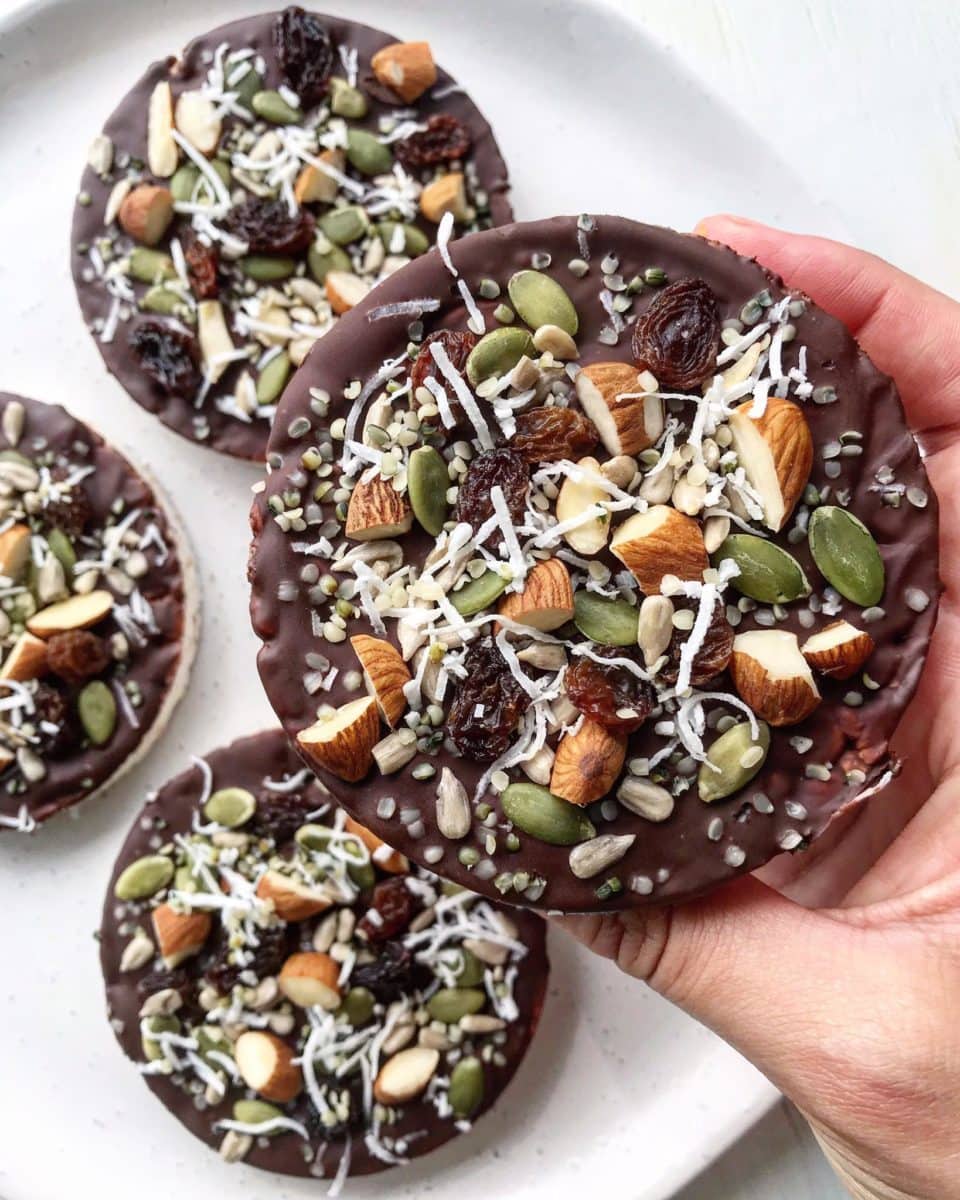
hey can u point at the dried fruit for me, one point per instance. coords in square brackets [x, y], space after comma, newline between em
[169, 357]
[457, 345]
[162, 981]
[268, 228]
[305, 52]
[494, 468]
[392, 973]
[610, 695]
[395, 906]
[713, 655]
[51, 709]
[444, 140]
[272, 949]
[77, 655]
[279, 816]
[677, 337]
[549, 434]
[487, 706]
[202, 262]
[68, 509]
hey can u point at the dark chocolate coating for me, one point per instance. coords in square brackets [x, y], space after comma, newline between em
[127, 127]
[246, 763]
[676, 855]
[154, 667]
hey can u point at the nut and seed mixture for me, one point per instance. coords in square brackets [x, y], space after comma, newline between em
[293, 990]
[243, 197]
[96, 616]
[606, 584]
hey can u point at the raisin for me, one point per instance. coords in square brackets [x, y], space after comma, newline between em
[605, 691]
[392, 974]
[711, 659]
[268, 228]
[305, 52]
[67, 509]
[503, 468]
[268, 957]
[159, 981]
[487, 706]
[169, 357]
[549, 434]
[444, 140]
[77, 655]
[677, 337]
[395, 906]
[278, 817]
[457, 345]
[50, 708]
[202, 263]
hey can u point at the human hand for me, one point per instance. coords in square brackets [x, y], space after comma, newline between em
[850, 1005]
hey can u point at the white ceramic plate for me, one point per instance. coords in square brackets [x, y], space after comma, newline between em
[620, 1092]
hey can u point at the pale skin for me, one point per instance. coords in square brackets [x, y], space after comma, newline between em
[837, 971]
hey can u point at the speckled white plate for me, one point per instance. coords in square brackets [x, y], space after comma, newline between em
[620, 1094]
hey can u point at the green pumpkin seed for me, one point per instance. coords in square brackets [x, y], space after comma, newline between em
[478, 594]
[256, 1112]
[183, 182]
[466, 1087]
[313, 837]
[846, 555]
[144, 877]
[184, 880]
[222, 169]
[497, 353]
[320, 262]
[97, 710]
[159, 299]
[357, 1006]
[210, 1038]
[471, 974]
[344, 225]
[415, 241]
[727, 753]
[247, 87]
[427, 483]
[62, 549]
[151, 266]
[158, 1024]
[230, 806]
[609, 622]
[767, 572]
[367, 153]
[317, 837]
[537, 811]
[450, 1004]
[273, 108]
[345, 100]
[273, 378]
[267, 268]
[540, 300]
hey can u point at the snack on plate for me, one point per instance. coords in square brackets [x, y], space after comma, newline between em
[98, 613]
[296, 993]
[601, 582]
[242, 197]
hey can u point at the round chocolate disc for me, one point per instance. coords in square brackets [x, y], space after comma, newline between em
[634, 551]
[245, 194]
[297, 994]
[98, 612]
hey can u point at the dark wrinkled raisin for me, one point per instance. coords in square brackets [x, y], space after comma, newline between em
[393, 973]
[487, 706]
[77, 655]
[305, 52]
[202, 263]
[444, 140]
[677, 338]
[713, 656]
[278, 816]
[268, 228]
[275, 946]
[549, 434]
[51, 709]
[493, 468]
[394, 904]
[68, 510]
[159, 981]
[169, 357]
[609, 694]
[457, 345]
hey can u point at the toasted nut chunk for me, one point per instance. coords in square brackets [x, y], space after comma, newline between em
[660, 542]
[292, 900]
[14, 551]
[587, 499]
[79, 612]
[546, 601]
[309, 979]
[406, 67]
[316, 186]
[266, 1065]
[27, 659]
[343, 743]
[197, 119]
[616, 399]
[163, 153]
[776, 453]
[587, 764]
[839, 650]
[403, 1077]
[377, 510]
[179, 934]
[386, 674]
[386, 858]
[772, 676]
[344, 290]
[146, 213]
[446, 194]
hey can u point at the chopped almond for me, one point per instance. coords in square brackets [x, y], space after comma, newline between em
[839, 650]
[660, 542]
[309, 979]
[214, 337]
[386, 673]
[546, 601]
[614, 397]
[377, 510]
[292, 900]
[385, 857]
[163, 153]
[404, 1076]
[585, 497]
[315, 186]
[406, 67]
[78, 612]
[776, 453]
[266, 1065]
[446, 194]
[344, 290]
[146, 213]
[772, 676]
[197, 118]
[343, 743]
[14, 552]
[587, 764]
[27, 659]
[179, 934]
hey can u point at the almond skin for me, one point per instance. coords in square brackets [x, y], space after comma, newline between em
[773, 677]
[776, 453]
[660, 542]
[546, 601]
[78, 612]
[626, 421]
[839, 650]
[26, 660]
[266, 1065]
[309, 979]
[387, 673]
[446, 194]
[146, 213]
[314, 186]
[587, 764]
[344, 290]
[405, 67]
[14, 551]
[179, 934]
[343, 743]
[292, 900]
[377, 510]
[386, 858]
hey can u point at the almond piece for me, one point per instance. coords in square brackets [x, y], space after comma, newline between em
[613, 395]
[386, 673]
[344, 290]
[838, 650]
[78, 612]
[660, 542]
[214, 337]
[309, 979]
[27, 659]
[315, 186]
[406, 67]
[343, 743]
[446, 194]
[266, 1065]
[163, 154]
[546, 601]
[146, 213]
[587, 764]
[385, 857]
[772, 676]
[776, 453]
[404, 1076]
[377, 510]
[179, 934]
[292, 900]
[14, 551]
[197, 119]
[578, 496]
